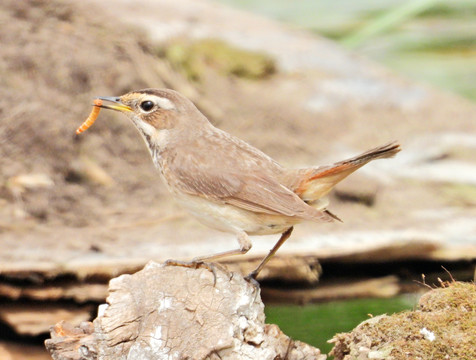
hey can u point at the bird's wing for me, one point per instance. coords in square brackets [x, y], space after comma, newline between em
[262, 194]
[253, 191]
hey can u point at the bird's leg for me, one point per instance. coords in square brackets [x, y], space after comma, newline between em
[245, 245]
[284, 236]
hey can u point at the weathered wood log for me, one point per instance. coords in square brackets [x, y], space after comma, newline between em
[177, 312]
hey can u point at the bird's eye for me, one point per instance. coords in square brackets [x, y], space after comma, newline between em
[146, 105]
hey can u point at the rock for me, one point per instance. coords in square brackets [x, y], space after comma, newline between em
[362, 189]
[21, 183]
[384, 287]
[37, 318]
[12, 350]
[5, 354]
[88, 170]
[79, 292]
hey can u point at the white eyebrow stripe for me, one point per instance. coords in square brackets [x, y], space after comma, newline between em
[164, 103]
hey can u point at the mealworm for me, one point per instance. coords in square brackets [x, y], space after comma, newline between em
[91, 118]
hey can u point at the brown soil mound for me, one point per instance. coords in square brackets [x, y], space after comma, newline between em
[55, 59]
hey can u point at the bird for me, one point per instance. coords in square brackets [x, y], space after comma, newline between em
[225, 182]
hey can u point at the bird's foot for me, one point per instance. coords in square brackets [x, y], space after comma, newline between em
[251, 278]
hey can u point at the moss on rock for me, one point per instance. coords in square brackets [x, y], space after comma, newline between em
[193, 58]
[443, 327]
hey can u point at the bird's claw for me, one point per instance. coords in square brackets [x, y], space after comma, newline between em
[251, 278]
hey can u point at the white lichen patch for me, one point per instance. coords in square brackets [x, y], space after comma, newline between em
[164, 304]
[156, 337]
[243, 323]
[102, 309]
[429, 335]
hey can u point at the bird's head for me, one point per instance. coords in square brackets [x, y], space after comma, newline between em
[156, 111]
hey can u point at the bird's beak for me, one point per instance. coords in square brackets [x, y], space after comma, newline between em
[117, 104]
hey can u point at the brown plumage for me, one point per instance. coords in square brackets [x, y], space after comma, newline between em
[225, 182]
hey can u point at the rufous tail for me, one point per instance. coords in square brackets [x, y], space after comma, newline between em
[314, 183]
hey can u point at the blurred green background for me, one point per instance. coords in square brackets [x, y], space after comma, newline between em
[433, 41]
[315, 324]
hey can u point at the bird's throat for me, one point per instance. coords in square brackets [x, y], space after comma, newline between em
[157, 145]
